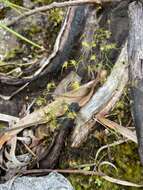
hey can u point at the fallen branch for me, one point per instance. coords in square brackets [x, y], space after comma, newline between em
[8, 118]
[103, 100]
[66, 171]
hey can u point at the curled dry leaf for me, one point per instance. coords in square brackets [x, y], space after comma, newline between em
[11, 156]
[121, 182]
[107, 146]
[131, 135]
[114, 180]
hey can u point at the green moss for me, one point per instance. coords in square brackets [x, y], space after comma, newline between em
[56, 16]
[125, 158]
[41, 101]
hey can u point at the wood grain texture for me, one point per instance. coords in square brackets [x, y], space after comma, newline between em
[135, 58]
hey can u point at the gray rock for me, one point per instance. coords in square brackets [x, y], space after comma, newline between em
[53, 181]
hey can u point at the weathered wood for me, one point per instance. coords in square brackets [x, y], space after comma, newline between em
[135, 58]
[68, 37]
[103, 95]
[74, 29]
[110, 91]
[43, 115]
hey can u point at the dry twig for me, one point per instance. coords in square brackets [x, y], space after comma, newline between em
[57, 5]
[83, 172]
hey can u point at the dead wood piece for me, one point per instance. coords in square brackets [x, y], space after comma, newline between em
[43, 115]
[103, 100]
[8, 118]
[68, 36]
[135, 58]
[104, 94]
[65, 171]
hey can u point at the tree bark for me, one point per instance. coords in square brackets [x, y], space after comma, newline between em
[135, 58]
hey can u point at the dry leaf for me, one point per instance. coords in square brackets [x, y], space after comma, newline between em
[120, 129]
[43, 115]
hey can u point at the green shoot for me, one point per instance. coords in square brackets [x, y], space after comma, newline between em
[13, 5]
[20, 36]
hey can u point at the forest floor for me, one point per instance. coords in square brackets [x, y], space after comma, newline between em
[119, 161]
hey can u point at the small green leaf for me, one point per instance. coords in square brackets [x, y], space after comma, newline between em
[93, 58]
[65, 65]
[85, 44]
[50, 86]
[98, 182]
[86, 168]
[75, 85]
